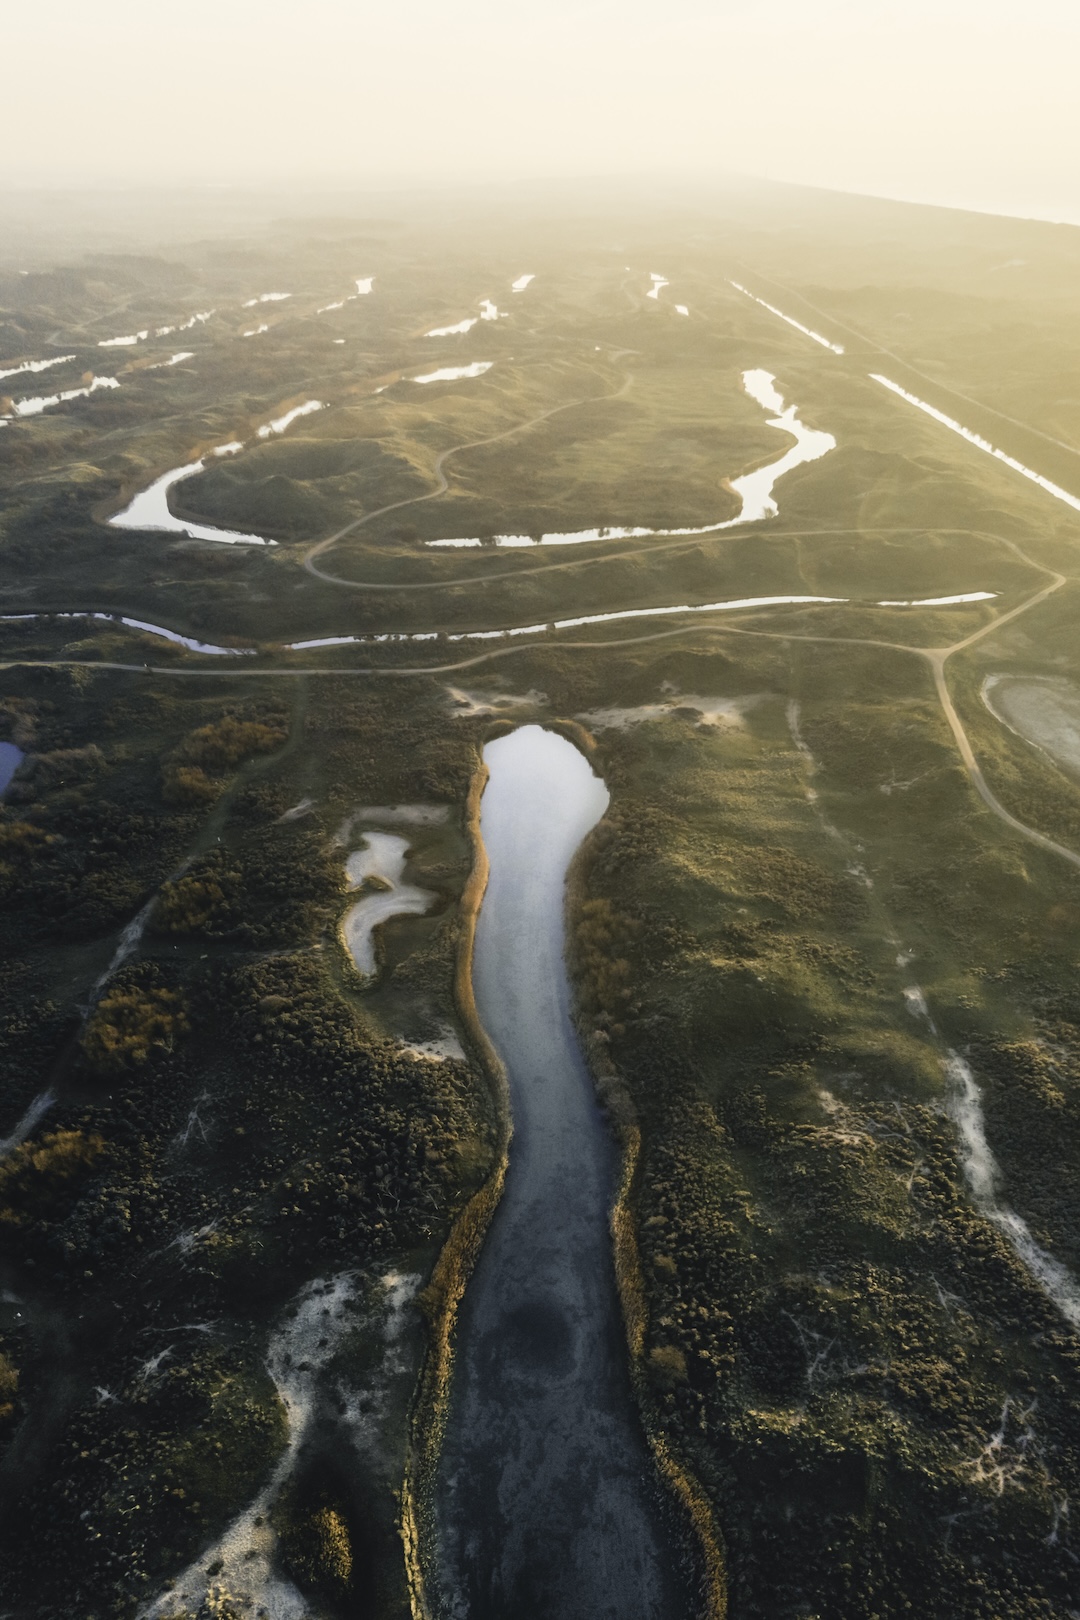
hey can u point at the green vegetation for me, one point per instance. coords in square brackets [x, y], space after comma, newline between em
[877, 1400]
[38, 1174]
[9, 1385]
[317, 1545]
[129, 1024]
[834, 1337]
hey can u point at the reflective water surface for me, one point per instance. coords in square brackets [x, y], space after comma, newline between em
[547, 1505]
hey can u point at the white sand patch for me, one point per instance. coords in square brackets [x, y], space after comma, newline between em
[469, 705]
[256, 331]
[328, 307]
[27, 1124]
[129, 941]
[915, 1002]
[721, 713]
[658, 282]
[850, 848]
[443, 1048]
[983, 1175]
[323, 1316]
[123, 342]
[297, 812]
[396, 815]
[364, 285]
[381, 857]
[265, 298]
[521, 283]
[983, 1178]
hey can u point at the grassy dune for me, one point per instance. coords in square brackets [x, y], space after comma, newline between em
[840, 1352]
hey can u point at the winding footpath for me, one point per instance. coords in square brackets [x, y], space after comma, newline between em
[935, 657]
[545, 1504]
[442, 483]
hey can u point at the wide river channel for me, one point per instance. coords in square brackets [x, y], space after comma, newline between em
[548, 1502]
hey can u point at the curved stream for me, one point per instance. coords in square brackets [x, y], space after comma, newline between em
[754, 489]
[546, 1505]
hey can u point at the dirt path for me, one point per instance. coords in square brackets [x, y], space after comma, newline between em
[442, 483]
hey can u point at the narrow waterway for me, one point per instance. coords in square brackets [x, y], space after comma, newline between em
[547, 1506]
[11, 757]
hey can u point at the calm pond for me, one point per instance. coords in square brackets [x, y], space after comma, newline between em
[548, 1502]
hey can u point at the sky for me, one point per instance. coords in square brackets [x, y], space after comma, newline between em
[971, 103]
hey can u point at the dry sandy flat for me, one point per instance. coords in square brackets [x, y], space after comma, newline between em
[1045, 710]
[710, 711]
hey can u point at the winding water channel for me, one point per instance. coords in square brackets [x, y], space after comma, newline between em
[547, 1506]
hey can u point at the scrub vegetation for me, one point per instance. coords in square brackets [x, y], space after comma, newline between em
[796, 917]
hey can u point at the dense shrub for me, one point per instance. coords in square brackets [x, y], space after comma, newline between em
[34, 1173]
[9, 1384]
[129, 1024]
[317, 1551]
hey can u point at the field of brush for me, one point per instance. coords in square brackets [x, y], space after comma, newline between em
[796, 919]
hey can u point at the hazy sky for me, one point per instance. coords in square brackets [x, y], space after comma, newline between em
[973, 102]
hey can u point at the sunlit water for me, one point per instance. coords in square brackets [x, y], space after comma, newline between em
[979, 442]
[28, 367]
[458, 329]
[546, 1501]
[150, 510]
[754, 489]
[455, 373]
[807, 331]
[192, 643]
[46, 402]
[1044, 710]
